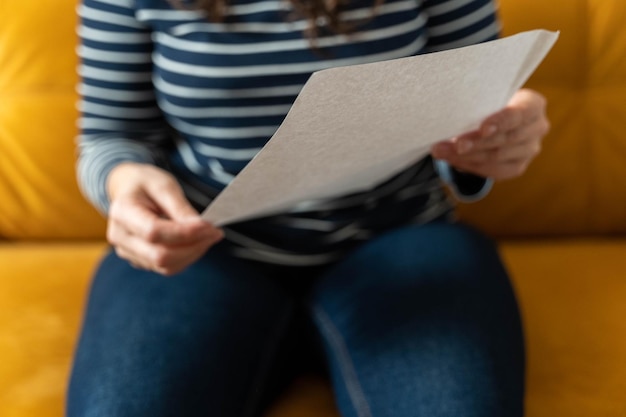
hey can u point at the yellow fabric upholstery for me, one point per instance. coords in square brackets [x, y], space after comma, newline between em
[569, 211]
[572, 295]
[42, 288]
[38, 191]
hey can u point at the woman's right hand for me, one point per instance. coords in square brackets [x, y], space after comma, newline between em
[151, 223]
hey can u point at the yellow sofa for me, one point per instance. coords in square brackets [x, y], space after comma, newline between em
[561, 227]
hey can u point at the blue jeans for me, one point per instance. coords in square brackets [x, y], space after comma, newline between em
[420, 321]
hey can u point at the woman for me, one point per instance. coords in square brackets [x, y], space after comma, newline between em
[411, 312]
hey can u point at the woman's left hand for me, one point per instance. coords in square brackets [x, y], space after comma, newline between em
[505, 143]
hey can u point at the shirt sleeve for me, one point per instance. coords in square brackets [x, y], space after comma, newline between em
[465, 186]
[119, 118]
[454, 24]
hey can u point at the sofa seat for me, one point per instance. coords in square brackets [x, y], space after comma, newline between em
[572, 294]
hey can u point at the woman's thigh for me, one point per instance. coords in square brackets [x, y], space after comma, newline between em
[197, 344]
[422, 321]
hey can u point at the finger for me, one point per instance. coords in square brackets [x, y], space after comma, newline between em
[132, 260]
[118, 238]
[169, 197]
[476, 143]
[485, 140]
[443, 150]
[499, 164]
[162, 259]
[139, 219]
[533, 131]
[502, 171]
[524, 150]
[493, 157]
[525, 107]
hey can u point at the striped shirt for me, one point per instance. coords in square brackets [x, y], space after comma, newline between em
[169, 87]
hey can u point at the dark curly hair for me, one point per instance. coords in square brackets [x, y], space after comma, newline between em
[312, 10]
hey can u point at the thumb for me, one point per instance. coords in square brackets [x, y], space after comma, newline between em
[168, 195]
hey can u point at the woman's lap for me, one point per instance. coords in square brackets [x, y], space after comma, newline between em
[196, 344]
[419, 321]
[422, 322]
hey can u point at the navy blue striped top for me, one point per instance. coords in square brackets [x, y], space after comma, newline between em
[200, 99]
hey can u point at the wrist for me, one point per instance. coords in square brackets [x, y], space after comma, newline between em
[120, 177]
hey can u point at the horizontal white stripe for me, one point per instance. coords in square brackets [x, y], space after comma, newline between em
[118, 111]
[114, 125]
[433, 210]
[482, 35]
[248, 242]
[223, 132]
[317, 225]
[100, 55]
[259, 7]
[149, 133]
[289, 45]
[112, 148]
[223, 112]
[256, 27]
[86, 71]
[291, 260]
[386, 8]
[104, 36]
[225, 153]
[283, 69]
[341, 235]
[448, 6]
[235, 10]
[172, 15]
[108, 17]
[418, 189]
[216, 93]
[120, 3]
[115, 95]
[253, 249]
[462, 22]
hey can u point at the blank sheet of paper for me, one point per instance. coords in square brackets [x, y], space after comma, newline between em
[354, 127]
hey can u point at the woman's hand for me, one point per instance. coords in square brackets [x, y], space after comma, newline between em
[505, 143]
[151, 224]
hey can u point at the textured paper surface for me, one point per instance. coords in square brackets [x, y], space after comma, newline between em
[352, 128]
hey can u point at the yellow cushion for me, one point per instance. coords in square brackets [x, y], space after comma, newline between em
[572, 296]
[38, 191]
[42, 290]
[576, 185]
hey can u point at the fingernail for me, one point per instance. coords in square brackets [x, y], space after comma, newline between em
[464, 146]
[190, 219]
[490, 130]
